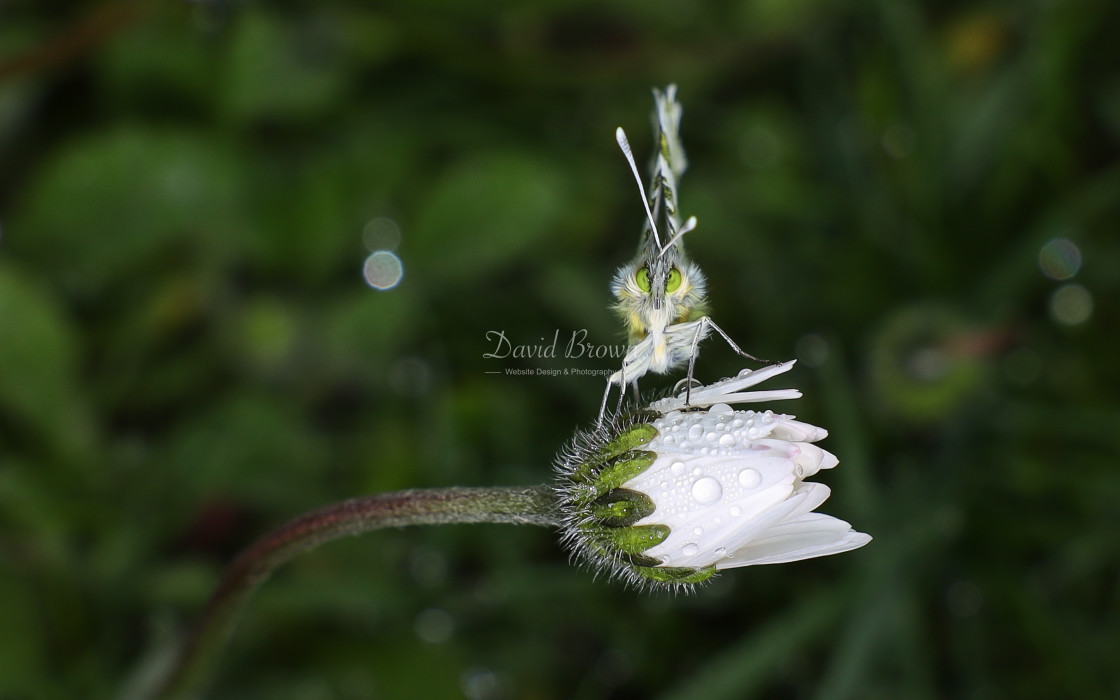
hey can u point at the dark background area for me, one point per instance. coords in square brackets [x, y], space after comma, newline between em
[917, 200]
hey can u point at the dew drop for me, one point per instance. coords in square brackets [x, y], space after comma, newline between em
[727, 440]
[707, 490]
[668, 440]
[749, 478]
[698, 531]
[677, 467]
[721, 552]
[720, 408]
[690, 549]
[711, 436]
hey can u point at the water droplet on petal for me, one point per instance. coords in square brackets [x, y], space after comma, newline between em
[698, 531]
[677, 467]
[695, 432]
[690, 550]
[721, 552]
[750, 478]
[727, 439]
[707, 490]
[721, 408]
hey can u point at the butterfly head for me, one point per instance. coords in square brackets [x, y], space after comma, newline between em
[659, 288]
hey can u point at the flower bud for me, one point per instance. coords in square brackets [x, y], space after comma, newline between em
[671, 494]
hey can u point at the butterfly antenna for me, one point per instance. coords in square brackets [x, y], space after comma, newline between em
[620, 136]
[688, 226]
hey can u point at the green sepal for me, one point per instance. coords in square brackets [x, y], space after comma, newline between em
[605, 548]
[592, 472]
[676, 574]
[636, 539]
[622, 508]
[611, 475]
[624, 469]
[615, 455]
[637, 436]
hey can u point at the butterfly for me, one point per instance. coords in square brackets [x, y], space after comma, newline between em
[661, 294]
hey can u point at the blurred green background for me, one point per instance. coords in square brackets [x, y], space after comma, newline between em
[917, 200]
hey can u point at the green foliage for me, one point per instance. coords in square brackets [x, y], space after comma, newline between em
[189, 354]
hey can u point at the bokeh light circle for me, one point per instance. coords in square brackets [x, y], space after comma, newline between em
[1059, 259]
[1071, 305]
[383, 270]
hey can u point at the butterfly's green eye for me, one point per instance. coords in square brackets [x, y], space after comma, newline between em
[642, 278]
[674, 280]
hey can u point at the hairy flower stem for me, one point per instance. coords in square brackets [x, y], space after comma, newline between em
[535, 505]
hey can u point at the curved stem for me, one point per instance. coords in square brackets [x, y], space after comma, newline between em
[517, 505]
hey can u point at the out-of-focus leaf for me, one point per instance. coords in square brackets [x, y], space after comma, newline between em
[163, 66]
[744, 669]
[38, 355]
[484, 213]
[248, 447]
[361, 333]
[22, 662]
[302, 228]
[112, 203]
[281, 71]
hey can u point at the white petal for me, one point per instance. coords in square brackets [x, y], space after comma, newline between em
[815, 494]
[796, 431]
[810, 535]
[725, 433]
[713, 502]
[742, 536]
[811, 459]
[829, 460]
[730, 390]
[754, 396]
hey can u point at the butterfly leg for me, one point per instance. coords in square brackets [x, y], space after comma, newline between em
[692, 359]
[706, 323]
[603, 406]
[621, 393]
[709, 322]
